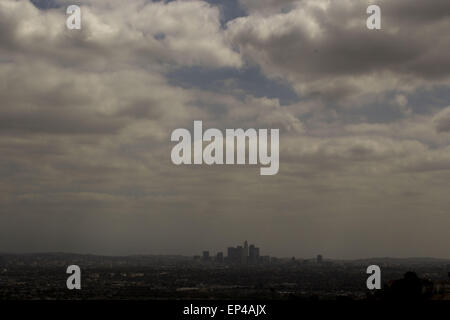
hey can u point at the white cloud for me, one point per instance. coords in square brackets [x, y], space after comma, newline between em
[181, 33]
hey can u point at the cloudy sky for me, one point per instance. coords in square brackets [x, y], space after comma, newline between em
[364, 117]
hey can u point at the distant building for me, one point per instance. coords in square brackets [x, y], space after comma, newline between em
[219, 257]
[205, 256]
[246, 248]
[246, 254]
[253, 254]
[319, 259]
[265, 259]
[233, 255]
[274, 260]
[230, 252]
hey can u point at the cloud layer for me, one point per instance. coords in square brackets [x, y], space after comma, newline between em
[86, 118]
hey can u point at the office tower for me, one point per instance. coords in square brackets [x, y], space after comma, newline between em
[246, 248]
[219, 257]
[240, 254]
[252, 255]
[244, 259]
[233, 255]
[205, 256]
[243, 254]
[230, 253]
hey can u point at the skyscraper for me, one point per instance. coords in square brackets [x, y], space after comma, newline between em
[205, 256]
[233, 255]
[243, 254]
[244, 257]
[253, 254]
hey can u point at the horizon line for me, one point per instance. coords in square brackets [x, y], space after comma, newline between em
[183, 255]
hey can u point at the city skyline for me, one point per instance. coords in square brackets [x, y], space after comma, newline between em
[197, 256]
[246, 254]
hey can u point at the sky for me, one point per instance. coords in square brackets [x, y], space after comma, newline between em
[364, 117]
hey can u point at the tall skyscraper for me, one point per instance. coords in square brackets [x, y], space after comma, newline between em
[253, 254]
[240, 252]
[233, 255]
[244, 256]
[205, 256]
